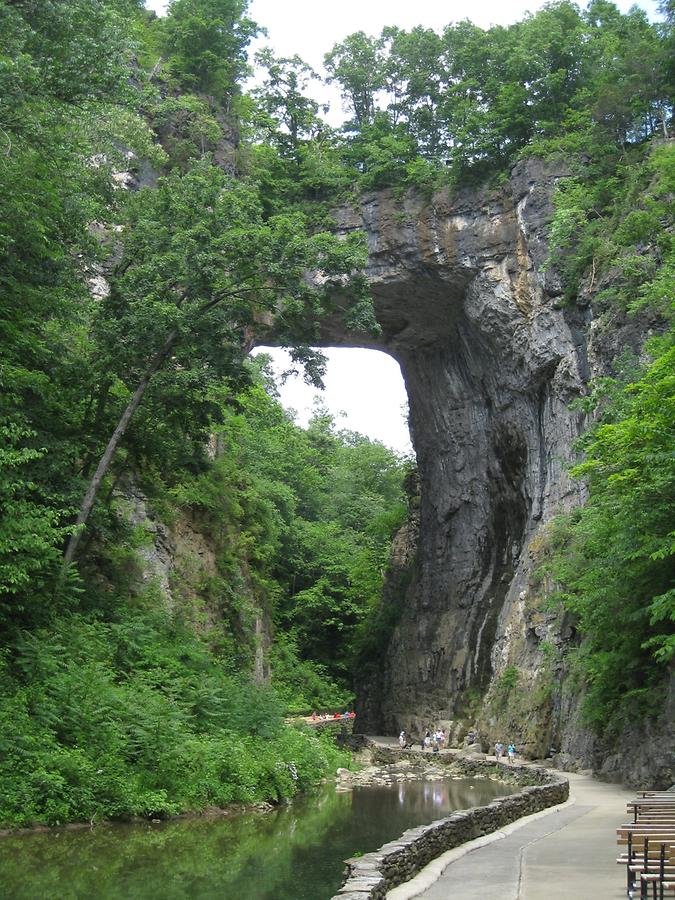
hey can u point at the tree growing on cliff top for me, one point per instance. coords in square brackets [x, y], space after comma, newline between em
[472, 99]
[357, 65]
[282, 96]
[206, 42]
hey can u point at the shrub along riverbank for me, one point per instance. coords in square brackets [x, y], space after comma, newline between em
[88, 734]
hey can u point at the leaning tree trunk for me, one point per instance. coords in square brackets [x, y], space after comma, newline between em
[106, 459]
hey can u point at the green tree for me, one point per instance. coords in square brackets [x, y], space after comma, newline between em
[206, 41]
[473, 99]
[625, 73]
[283, 97]
[357, 65]
[200, 266]
[65, 112]
[616, 556]
[415, 80]
[31, 530]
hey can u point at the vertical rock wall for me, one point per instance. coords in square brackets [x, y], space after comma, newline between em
[491, 362]
[491, 359]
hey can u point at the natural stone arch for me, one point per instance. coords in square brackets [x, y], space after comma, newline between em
[491, 362]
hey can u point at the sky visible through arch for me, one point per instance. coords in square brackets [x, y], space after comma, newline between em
[363, 384]
[364, 391]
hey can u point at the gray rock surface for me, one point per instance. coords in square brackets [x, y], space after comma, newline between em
[490, 364]
[491, 359]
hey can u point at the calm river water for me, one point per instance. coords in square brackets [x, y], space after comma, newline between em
[295, 852]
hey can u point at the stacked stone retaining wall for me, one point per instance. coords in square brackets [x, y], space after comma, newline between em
[369, 877]
[338, 726]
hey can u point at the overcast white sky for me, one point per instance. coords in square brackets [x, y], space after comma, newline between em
[311, 27]
[364, 391]
[364, 384]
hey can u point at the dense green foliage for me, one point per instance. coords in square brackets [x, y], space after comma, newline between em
[134, 716]
[468, 101]
[197, 261]
[116, 700]
[61, 105]
[613, 242]
[308, 517]
[428, 110]
[121, 708]
[125, 321]
[206, 43]
[614, 557]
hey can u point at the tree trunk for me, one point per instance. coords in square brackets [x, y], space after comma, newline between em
[90, 458]
[106, 459]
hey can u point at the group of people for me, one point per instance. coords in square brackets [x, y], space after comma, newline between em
[322, 717]
[433, 740]
[510, 751]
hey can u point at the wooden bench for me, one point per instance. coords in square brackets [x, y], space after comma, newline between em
[665, 885]
[667, 794]
[652, 808]
[650, 844]
[660, 875]
[648, 855]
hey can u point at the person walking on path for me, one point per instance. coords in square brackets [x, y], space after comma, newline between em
[511, 750]
[499, 751]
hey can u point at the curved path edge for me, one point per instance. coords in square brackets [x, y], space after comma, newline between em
[371, 876]
[566, 851]
[430, 874]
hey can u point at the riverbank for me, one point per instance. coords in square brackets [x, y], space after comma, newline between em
[303, 845]
[424, 768]
[568, 851]
[210, 812]
[372, 875]
[235, 772]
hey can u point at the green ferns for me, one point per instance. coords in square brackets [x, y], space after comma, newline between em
[135, 717]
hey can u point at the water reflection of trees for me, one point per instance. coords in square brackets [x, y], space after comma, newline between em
[437, 797]
[189, 858]
[273, 856]
[448, 794]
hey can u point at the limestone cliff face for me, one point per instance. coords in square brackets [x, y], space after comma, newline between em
[180, 562]
[491, 360]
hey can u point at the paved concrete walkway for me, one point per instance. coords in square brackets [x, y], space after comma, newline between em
[559, 854]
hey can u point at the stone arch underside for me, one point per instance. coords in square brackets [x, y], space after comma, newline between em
[491, 361]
